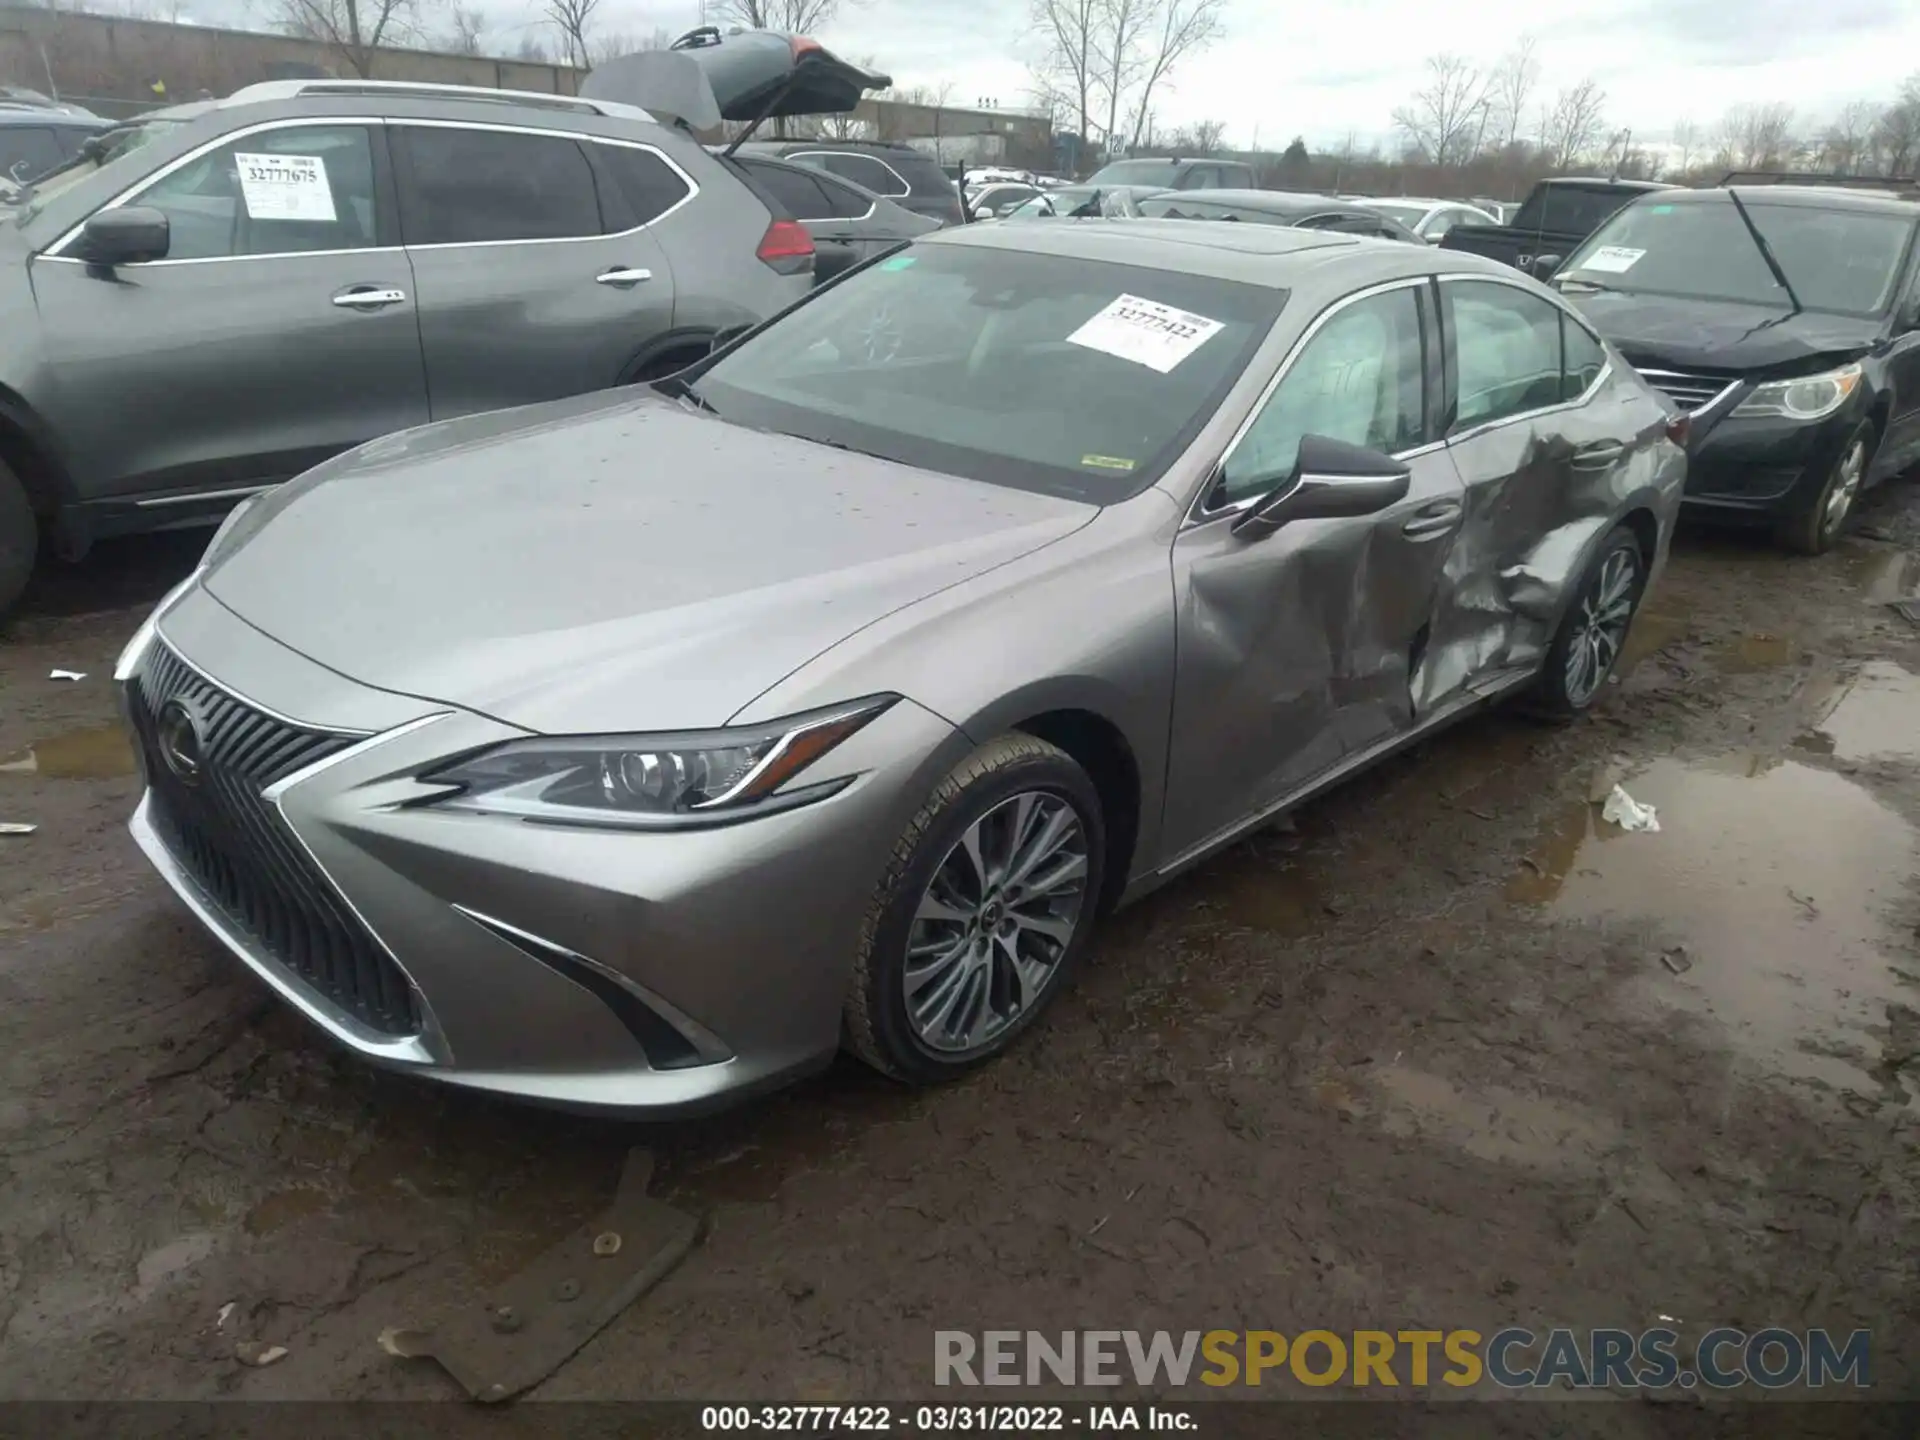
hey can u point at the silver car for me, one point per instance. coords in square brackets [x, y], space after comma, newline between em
[638, 750]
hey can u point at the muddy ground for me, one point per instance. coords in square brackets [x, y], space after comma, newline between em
[1451, 1052]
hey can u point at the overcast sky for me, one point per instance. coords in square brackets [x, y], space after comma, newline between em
[1322, 70]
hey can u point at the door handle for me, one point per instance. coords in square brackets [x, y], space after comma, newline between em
[368, 297]
[1429, 522]
[1598, 456]
[623, 278]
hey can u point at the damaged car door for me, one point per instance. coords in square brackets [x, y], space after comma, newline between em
[1295, 646]
[1535, 425]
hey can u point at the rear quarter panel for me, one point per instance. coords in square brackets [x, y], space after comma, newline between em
[718, 281]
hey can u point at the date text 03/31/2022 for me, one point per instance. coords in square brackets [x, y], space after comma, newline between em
[946, 1419]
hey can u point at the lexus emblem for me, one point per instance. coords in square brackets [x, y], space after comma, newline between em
[181, 742]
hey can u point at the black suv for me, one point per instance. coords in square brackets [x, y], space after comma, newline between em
[1785, 318]
[898, 173]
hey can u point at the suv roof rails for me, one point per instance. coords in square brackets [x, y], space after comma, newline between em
[1882, 184]
[405, 89]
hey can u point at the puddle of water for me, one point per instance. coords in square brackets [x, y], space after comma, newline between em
[1876, 713]
[1495, 1125]
[98, 754]
[1652, 632]
[1258, 893]
[1752, 653]
[1789, 945]
[1885, 575]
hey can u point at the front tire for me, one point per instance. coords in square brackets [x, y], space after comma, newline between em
[1812, 529]
[1594, 629]
[982, 914]
[19, 539]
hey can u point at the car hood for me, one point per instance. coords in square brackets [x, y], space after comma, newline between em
[605, 564]
[1718, 335]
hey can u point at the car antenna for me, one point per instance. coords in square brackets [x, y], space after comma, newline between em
[1766, 250]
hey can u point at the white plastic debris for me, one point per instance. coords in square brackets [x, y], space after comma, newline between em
[1628, 813]
[225, 1310]
[9, 827]
[68, 675]
[257, 1353]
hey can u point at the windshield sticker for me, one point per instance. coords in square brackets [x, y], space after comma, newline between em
[1106, 462]
[897, 262]
[1663, 209]
[1146, 332]
[285, 187]
[1612, 259]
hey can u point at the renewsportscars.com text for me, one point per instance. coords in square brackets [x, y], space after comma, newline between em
[1513, 1358]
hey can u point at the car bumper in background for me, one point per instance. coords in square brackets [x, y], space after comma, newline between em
[638, 972]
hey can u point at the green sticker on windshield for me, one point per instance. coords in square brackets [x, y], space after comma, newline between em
[897, 262]
[1663, 209]
[1106, 462]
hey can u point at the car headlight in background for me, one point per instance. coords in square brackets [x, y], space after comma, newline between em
[1811, 397]
[654, 782]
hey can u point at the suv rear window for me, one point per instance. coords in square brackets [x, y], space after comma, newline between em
[867, 171]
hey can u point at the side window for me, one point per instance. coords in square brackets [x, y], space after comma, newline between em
[1358, 380]
[844, 201]
[1441, 223]
[864, 171]
[652, 186]
[795, 189]
[463, 187]
[1507, 348]
[1585, 358]
[27, 151]
[275, 192]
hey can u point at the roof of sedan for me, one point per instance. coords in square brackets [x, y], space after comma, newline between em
[1253, 254]
[1278, 202]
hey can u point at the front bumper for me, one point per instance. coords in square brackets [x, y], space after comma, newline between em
[643, 973]
[1764, 467]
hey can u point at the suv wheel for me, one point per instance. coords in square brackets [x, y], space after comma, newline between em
[1813, 528]
[19, 538]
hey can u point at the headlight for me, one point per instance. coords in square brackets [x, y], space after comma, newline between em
[654, 782]
[1811, 397]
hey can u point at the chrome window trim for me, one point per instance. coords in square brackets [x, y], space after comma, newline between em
[800, 156]
[140, 187]
[693, 187]
[1197, 512]
[1567, 312]
[232, 492]
[132, 192]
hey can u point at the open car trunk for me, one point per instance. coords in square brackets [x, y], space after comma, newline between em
[706, 77]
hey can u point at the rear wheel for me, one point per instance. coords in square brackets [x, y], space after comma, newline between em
[19, 538]
[982, 914]
[1594, 630]
[1812, 529]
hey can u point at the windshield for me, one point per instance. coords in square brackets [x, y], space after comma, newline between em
[1408, 215]
[1569, 209]
[1845, 262]
[1040, 372]
[1135, 172]
[109, 150]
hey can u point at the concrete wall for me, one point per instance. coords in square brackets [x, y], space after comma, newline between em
[112, 65]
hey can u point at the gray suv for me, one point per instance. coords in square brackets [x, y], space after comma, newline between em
[213, 298]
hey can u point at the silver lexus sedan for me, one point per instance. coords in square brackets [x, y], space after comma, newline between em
[638, 750]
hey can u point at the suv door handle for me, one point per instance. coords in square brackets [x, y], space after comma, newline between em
[1429, 522]
[1598, 456]
[622, 277]
[368, 297]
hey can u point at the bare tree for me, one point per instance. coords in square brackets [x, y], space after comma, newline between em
[1069, 33]
[1123, 26]
[1183, 27]
[1897, 136]
[574, 20]
[791, 17]
[1757, 137]
[1576, 121]
[626, 42]
[1847, 147]
[1686, 140]
[1205, 136]
[354, 29]
[466, 24]
[1512, 87]
[532, 49]
[1447, 113]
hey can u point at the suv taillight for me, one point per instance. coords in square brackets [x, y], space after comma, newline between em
[787, 247]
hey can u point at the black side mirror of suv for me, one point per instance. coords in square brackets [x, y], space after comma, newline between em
[125, 237]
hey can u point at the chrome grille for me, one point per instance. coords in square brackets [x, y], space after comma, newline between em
[235, 845]
[1692, 393]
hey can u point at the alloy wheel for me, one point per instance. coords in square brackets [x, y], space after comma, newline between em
[1606, 610]
[994, 922]
[1846, 487]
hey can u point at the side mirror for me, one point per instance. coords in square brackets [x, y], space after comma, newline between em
[723, 338]
[830, 258]
[1545, 265]
[1330, 480]
[129, 236]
